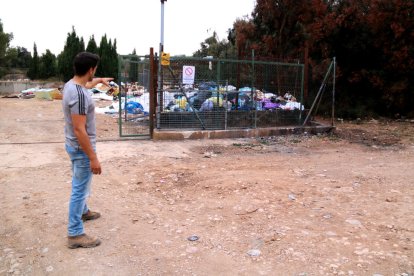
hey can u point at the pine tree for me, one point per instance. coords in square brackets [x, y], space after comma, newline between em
[48, 66]
[33, 72]
[108, 66]
[133, 67]
[73, 46]
[114, 61]
[104, 55]
[92, 47]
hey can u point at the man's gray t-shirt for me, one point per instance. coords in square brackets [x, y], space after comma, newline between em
[77, 100]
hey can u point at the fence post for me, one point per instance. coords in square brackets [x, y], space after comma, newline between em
[319, 93]
[301, 94]
[253, 92]
[120, 95]
[159, 96]
[151, 93]
[218, 119]
[225, 109]
[306, 71]
[333, 91]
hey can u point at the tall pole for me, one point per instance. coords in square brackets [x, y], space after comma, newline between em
[162, 25]
[160, 73]
[152, 93]
[333, 91]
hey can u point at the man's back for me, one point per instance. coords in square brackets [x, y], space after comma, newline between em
[77, 100]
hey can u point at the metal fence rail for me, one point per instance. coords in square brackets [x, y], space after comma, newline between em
[230, 94]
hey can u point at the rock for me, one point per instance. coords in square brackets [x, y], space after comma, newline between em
[292, 197]
[191, 249]
[362, 252]
[354, 222]
[254, 252]
[327, 216]
[193, 238]
[209, 154]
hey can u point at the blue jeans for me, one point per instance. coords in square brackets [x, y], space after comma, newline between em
[81, 185]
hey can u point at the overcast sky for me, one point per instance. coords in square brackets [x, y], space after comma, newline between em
[134, 23]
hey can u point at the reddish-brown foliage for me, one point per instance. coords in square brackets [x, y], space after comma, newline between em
[373, 41]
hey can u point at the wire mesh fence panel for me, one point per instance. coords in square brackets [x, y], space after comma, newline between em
[134, 100]
[200, 93]
[190, 98]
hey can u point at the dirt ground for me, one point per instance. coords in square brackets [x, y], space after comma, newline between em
[335, 204]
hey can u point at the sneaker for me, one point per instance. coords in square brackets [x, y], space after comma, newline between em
[90, 215]
[83, 240]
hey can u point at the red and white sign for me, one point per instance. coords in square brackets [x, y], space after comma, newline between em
[188, 74]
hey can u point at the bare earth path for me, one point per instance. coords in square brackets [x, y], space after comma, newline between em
[301, 205]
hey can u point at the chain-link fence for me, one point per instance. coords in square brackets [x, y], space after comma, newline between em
[204, 93]
[133, 100]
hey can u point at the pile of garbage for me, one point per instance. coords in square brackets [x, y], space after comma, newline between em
[41, 93]
[209, 96]
[104, 92]
[135, 100]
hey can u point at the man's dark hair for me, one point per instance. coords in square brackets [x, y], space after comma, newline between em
[83, 62]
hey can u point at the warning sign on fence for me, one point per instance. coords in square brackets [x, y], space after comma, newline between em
[188, 74]
[165, 59]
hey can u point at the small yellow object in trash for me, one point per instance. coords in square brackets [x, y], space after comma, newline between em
[165, 59]
[182, 102]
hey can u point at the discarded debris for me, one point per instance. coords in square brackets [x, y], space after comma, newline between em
[193, 238]
[254, 252]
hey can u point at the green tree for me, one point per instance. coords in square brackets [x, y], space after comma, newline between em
[133, 67]
[33, 72]
[109, 59]
[73, 46]
[114, 62]
[213, 46]
[11, 58]
[5, 39]
[17, 57]
[24, 58]
[92, 47]
[48, 65]
[104, 52]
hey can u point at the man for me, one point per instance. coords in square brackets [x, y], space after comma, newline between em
[80, 143]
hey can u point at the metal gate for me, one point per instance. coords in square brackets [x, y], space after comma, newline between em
[134, 100]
